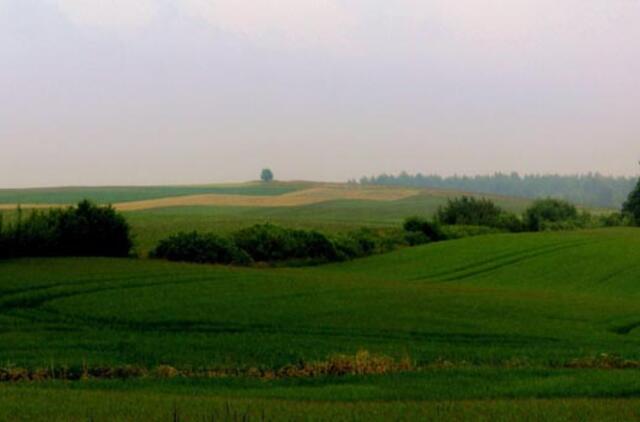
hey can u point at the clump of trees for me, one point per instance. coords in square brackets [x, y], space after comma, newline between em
[84, 230]
[200, 248]
[273, 244]
[553, 214]
[258, 243]
[470, 211]
[420, 231]
[467, 216]
[269, 242]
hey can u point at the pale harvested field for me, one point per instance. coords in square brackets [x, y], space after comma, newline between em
[303, 197]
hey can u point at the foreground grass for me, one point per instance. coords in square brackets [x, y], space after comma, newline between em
[490, 324]
[352, 399]
[541, 299]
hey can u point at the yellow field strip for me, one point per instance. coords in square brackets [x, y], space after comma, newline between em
[313, 195]
[303, 197]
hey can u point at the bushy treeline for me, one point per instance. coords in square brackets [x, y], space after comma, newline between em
[85, 230]
[588, 189]
[542, 215]
[270, 243]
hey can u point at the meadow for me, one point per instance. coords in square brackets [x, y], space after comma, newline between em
[499, 327]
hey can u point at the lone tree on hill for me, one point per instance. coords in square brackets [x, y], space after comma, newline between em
[632, 206]
[266, 175]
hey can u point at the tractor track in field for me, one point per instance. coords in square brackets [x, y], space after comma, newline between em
[224, 328]
[496, 262]
[8, 304]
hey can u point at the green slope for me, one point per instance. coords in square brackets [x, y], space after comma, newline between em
[490, 322]
[543, 298]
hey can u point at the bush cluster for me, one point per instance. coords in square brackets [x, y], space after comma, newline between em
[470, 211]
[85, 230]
[270, 243]
[542, 215]
[200, 248]
[419, 231]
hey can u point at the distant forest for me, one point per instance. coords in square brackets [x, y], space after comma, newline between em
[588, 189]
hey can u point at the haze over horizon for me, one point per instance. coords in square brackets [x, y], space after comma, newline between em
[122, 92]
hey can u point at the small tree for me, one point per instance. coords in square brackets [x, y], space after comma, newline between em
[266, 175]
[632, 205]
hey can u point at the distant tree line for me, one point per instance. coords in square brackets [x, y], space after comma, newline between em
[587, 189]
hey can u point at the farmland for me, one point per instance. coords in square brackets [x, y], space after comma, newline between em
[502, 326]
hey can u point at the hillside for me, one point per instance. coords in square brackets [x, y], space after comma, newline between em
[472, 299]
[485, 326]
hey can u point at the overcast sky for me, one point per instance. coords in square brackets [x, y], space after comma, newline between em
[182, 91]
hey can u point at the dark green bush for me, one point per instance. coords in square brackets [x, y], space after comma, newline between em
[552, 214]
[200, 248]
[616, 219]
[632, 205]
[85, 230]
[470, 211]
[268, 243]
[419, 230]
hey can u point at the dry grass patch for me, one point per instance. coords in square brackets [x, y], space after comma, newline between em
[310, 196]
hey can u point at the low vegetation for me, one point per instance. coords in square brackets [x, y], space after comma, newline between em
[85, 230]
[542, 215]
[270, 243]
[200, 248]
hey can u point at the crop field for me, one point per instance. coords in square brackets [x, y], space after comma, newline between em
[498, 327]
[117, 194]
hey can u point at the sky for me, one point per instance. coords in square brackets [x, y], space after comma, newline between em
[109, 92]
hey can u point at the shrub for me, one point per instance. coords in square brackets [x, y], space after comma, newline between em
[268, 242]
[200, 248]
[85, 230]
[551, 214]
[616, 219]
[419, 230]
[469, 211]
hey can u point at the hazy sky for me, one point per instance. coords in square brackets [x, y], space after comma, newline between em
[180, 91]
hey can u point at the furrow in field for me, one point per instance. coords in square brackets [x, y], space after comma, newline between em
[495, 262]
[226, 327]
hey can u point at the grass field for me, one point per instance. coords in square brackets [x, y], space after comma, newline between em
[116, 194]
[485, 320]
[498, 327]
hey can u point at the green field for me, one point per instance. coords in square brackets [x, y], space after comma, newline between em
[114, 194]
[150, 226]
[484, 320]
